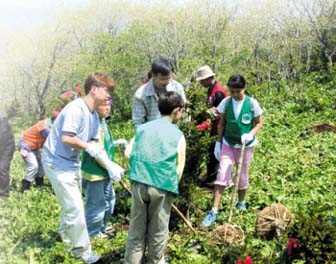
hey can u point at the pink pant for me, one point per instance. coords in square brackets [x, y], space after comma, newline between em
[230, 156]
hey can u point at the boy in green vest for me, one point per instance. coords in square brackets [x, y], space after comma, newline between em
[96, 182]
[240, 120]
[156, 165]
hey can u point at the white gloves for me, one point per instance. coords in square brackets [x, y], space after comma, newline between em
[217, 151]
[246, 138]
[213, 112]
[93, 149]
[114, 170]
[120, 141]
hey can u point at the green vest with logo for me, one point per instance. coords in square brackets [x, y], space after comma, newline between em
[153, 160]
[235, 128]
[90, 167]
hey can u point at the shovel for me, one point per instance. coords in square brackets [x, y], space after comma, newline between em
[231, 233]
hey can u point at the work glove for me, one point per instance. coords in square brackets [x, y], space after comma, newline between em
[218, 149]
[213, 112]
[120, 141]
[247, 137]
[203, 126]
[114, 170]
[93, 149]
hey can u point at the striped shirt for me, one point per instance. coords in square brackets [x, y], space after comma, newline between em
[145, 104]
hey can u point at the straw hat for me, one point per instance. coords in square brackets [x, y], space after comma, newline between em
[203, 73]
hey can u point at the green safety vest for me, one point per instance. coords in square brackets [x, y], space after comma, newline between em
[235, 128]
[90, 167]
[153, 160]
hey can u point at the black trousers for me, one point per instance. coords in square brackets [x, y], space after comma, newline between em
[212, 164]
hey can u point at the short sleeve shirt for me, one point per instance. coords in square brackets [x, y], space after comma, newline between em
[75, 119]
[237, 106]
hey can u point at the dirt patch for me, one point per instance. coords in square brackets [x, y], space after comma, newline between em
[318, 129]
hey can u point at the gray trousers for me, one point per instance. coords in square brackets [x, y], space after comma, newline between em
[4, 175]
[34, 166]
[150, 213]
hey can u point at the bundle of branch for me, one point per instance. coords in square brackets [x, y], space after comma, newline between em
[273, 221]
[229, 234]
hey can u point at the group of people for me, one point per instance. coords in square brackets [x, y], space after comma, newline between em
[156, 157]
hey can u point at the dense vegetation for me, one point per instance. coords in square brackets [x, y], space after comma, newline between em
[293, 165]
[287, 53]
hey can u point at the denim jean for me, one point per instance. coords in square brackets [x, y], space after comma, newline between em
[99, 206]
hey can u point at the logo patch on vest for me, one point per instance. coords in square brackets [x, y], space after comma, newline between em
[246, 118]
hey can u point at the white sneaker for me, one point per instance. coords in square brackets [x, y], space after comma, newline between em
[100, 235]
[90, 258]
[64, 237]
[163, 260]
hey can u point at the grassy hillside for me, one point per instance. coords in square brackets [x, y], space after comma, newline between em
[294, 164]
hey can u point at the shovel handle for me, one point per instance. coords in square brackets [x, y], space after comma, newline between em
[176, 210]
[240, 162]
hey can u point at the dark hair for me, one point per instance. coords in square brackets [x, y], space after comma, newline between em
[168, 101]
[100, 80]
[236, 81]
[162, 66]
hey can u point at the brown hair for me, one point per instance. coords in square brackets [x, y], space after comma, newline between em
[99, 80]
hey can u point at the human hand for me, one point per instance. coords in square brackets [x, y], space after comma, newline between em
[213, 112]
[23, 152]
[115, 171]
[93, 149]
[247, 137]
[217, 151]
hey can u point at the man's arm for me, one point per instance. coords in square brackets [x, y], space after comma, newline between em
[181, 153]
[74, 142]
[219, 96]
[138, 113]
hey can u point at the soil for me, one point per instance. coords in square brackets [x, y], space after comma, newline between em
[318, 129]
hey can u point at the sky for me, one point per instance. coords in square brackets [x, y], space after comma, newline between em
[18, 15]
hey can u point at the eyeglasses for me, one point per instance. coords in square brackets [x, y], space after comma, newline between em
[106, 90]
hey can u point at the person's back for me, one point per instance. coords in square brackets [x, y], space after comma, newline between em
[157, 162]
[33, 137]
[153, 160]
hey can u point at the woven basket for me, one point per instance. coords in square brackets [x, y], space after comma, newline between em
[228, 233]
[273, 221]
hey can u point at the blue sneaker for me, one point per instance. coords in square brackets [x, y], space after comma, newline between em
[242, 206]
[209, 219]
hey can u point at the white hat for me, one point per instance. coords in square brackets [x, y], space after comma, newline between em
[204, 72]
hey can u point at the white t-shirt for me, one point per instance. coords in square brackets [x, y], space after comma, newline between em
[237, 106]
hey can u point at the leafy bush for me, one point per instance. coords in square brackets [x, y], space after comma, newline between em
[316, 235]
